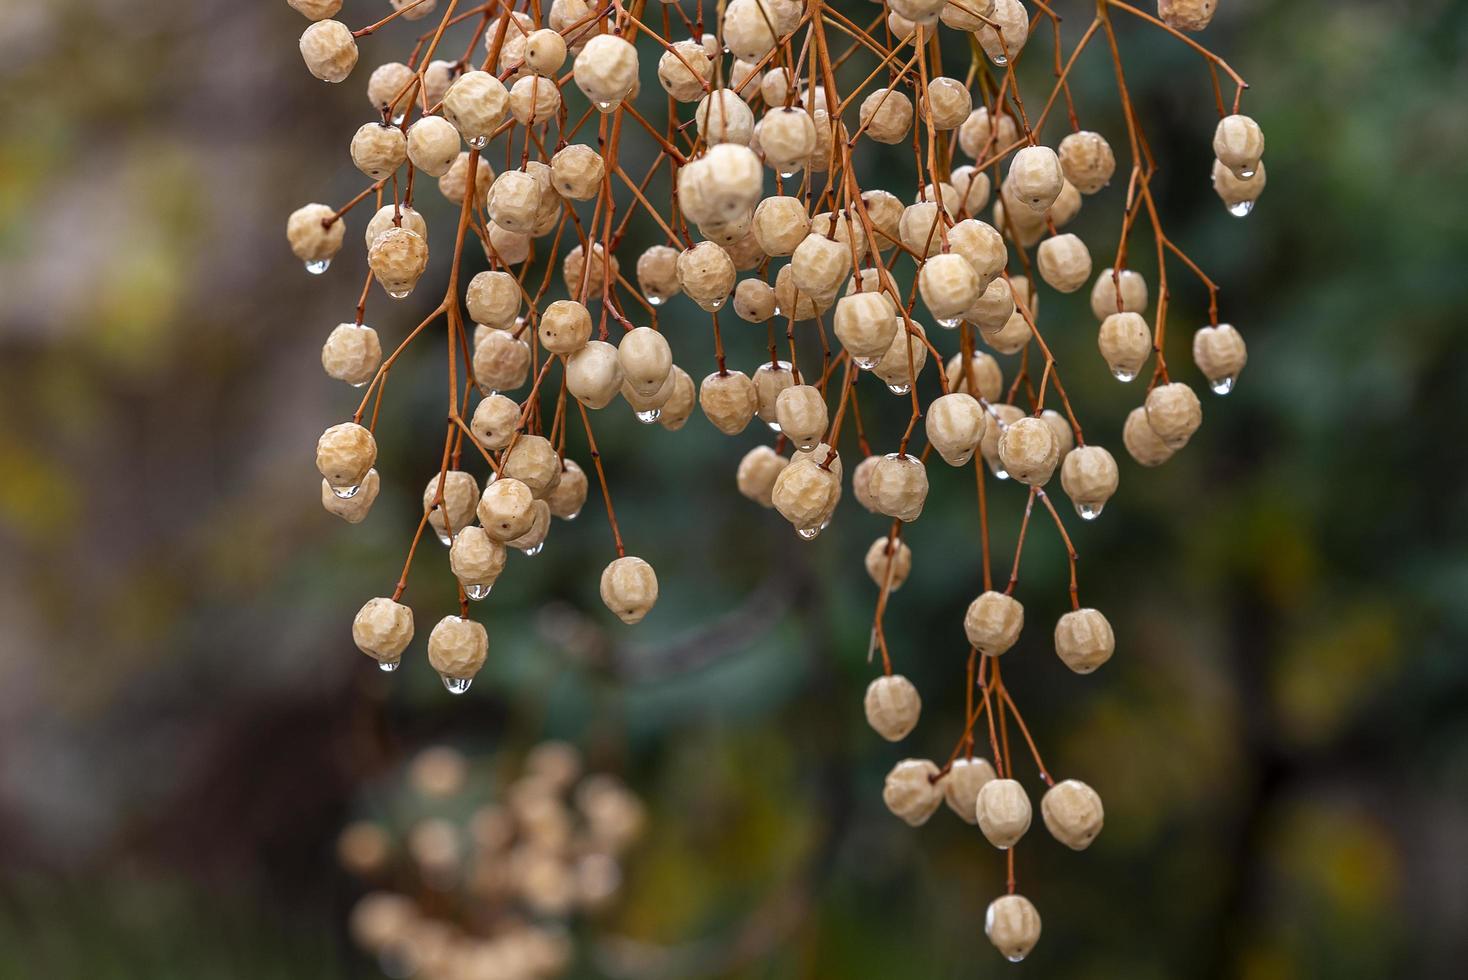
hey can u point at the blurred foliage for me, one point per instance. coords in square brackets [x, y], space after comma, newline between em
[1281, 740]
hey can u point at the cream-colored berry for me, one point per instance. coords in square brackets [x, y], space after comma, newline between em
[1065, 437]
[949, 103]
[454, 185]
[353, 509]
[587, 279]
[533, 461]
[1238, 143]
[770, 379]
[884, 211]
[493, 299]
[820, 265]
[1220, 354]
[899, 485]
[1005, 33]
[1073, 813]
[757, 473]
[564, 327]
[476, 560]
[1013, 925]
[780, 224]
[844, 228]
[606, 70]
[679, 406]
[1065, 262]
[981, 139]
[1142, 444]
[545, 51]
[379, 149]
[886, 115]
[457, 649]
[910, 791]
[904, 359]
[861, 483]
[1089, 477]
[449, 500]
[501, 361]
[806, 494]
[1029, 451]
[351, 353]
[329, 50]
[884, 558]
[754, 300]
[1001, 417]
[414, 11]
[534, 100]
[1104, 292]
[594, 374]
[961, 785]
[1083, 640]
[389, 82]
[1238, 195]
[748, 29]
[1010, 338]
[315, 234]
[389, 216]
[801, 413]
[729, 400]
[1087, 160]
[382, 629]
[981, 245]
[1003, 811]
[973, 189]
[344, 454]
[892, 706]
[707, 275]
[1125, 342]
[723, 117]
[629, 587]
[994, 307]
[965, 15]
[476, 105]
[955, 426]
[514, 201]
[923, 12]
[1174, 413]
[568, 495]
[981, 378]
[316, 9]
[532, 540]
[949, 287]
[787, 136]
[993, 622]
[646, 359]
[1036, 178]
[657, 274]
[433, 145]
[577, 172]
[496, 420]
[866, 326]
[506, 509]
[684, 70]
[398, 258]
[820, 454]
[920, 228]
[1187, 15]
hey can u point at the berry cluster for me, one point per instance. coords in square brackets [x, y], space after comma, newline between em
[782, 96]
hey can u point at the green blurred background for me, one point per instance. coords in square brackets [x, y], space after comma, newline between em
[1281, 740]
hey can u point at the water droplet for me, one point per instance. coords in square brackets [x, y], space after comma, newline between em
[346, 493]
[1015, 959]
[478, 142]
[399, 293]
[318, 266]
[1241, 209]
[774, 427]
[655, 301]
[899, 389]
[1089, 513]
[1000, 60]
[573, 515]
[650, 416]
[534, 549]
[866, 363]
[358, 384]
[808, 533]
[456, 685]
[948, 323]
[604, 106]
[787, 174]
[1222, 386]
[477, 592]
[388, 666]
[444, 538]
[717, 305]
[1000, 473]
[1247, 174]
[1123, 376]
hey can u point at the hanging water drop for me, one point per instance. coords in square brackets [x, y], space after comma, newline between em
[388, 666]
[1088, 512]
[1123, 376]
[866, 363]
[899, 389]
[1246, 174]
[456, 685]
[774, 427]
[477, 592]
[1001, 60]
[399, 293]
[346, 493]
[1241, 209]
[717, 305]
[533, 550]
[444, 538]
[948, 323]
[1222, 386]
[478, 142]
[808, 533]
[650, 416]
[318, 266]
[604, 106]
[1000, 473]
[655, 301]
[787, 174]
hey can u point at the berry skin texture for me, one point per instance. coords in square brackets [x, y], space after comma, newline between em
[802, 415]
[1174, 413]
[329, 50]
[1187, 15]
[506, 509]
[501, 361]
[1036, 178]
[310, 239]
[353, 509]
[344, 454]
[899, 485]
[645, 357]
[398, 258]
[884, 554]
[1089, 477]
[533, 461]
[757, 473]
[1065, 262]
[476, 558]
[961, 786]
[1073, 813]
[629, 587]
[994, 306]
[1133, 293]
[383, 629]
[475, 106]
[408, 217]
[955, 426]
[1083, 640]
[1004, 45]
[892, 707]
[606, 70]
[545, 52]
[1003, 812]
[866, 325]
[1220, 354]
[1029, 451]
[993, 622]
[949, 286]
[378, 149]
[351, 353]
[886, 115]
[1087, 161]
[577, 172]
[1012, 924]
[316, 9]
[910, 793]
[1125, 343]
[594, 374]
[707, 275]
[493, 299]
[754, 300]
[728, 400]
[805, 494]
[460, 497]
[568, 496]
[1238, 195]
[457, 648]
[564, 327]
[679, 406]
[982, 378]
[1238, 143]
[1142, 444]
[433, 145]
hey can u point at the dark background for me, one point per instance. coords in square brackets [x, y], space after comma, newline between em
[1281, 740]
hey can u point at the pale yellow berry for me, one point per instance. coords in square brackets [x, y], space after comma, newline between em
[1083, 640]
[587, 279]
[754, 300]
[910, 791]
[993, 622]
[729, 400]
[899, 485]
[744, 78]
[1029, 451]
[981, 245]
[748, 29]
[311, 238]
[1073, 813]
[1035, 178]
[904, 359]
[949, 287]
[493, 299]
[1087, 160]
[506, 509]
[973, 189]
[821, 454]
[961, 785]
[707, 275]
[606, 70]
[820, 265]
[476, 560]
[1142, 444]
[1221, 355]
[866, 326]
[577, 172]
[329, 50]
[679, 406]
[770, 379]
[1003, 811]
[389, 82]
[800, 411]
[994, 307]
[568, 496]
[1187, 15]
[861, 483]
[514, 201]
[534, 100]
[723, 117]
[1005, 33]
[457, 649]
[382, 629]
[965, 15]
[545, 51]
[1089, 477]
[892, 706]
[657, 274]
[353, 509]
[1013, 925]
[806, 494]
[433, 145]
[1065, 262]
[414, 11]
[884, 211]
[884, 558]
[981, 377]
[1001, 417]
[506, 247]
[454, 185]
[629, 587]
[949, 103]
[757, 473]
[1010, 338]
[787, 137]
[344, 454]
[594, 374]
[685, 70]
[564, 327]
[398, 258]
[316, 9]
[449, 500]
[495, 422]
[388, 217]
[533, 461]
[955, 426]
[1125, 342]
[533, 540]
[981, 139]
[351, 353]
[378, 149]
[476, 105]
[1238, 195]
[886, 115]
[646, 359]
[1133, 293]
[1174, 413]
[1238, 142]
[924, 12]
[501, 361]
